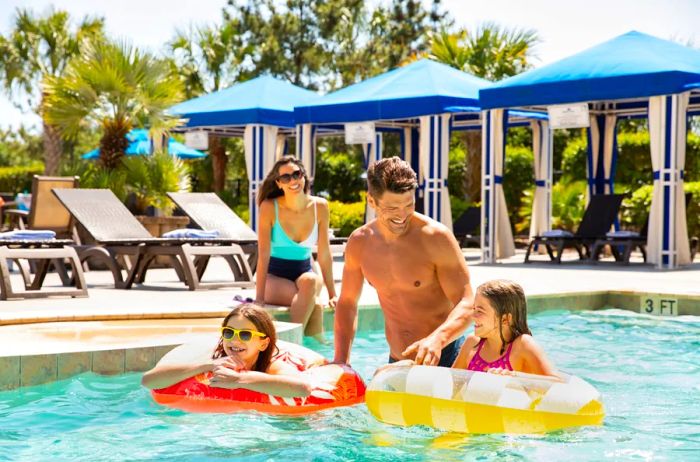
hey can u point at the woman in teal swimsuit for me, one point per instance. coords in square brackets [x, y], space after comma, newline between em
[292, 223]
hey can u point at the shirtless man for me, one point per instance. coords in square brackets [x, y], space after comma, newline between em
[417, 268]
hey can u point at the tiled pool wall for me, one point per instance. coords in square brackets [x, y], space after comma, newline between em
[21, 371]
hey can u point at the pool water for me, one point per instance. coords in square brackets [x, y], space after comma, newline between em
[647, 370]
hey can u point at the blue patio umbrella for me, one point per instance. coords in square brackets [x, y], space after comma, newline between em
[140, 144]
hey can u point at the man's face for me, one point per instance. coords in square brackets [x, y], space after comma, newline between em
[394, 210]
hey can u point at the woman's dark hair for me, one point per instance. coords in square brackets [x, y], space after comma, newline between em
[269, 188]
[507, 297]
[263, 323]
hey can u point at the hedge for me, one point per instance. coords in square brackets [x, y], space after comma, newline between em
[18, 179]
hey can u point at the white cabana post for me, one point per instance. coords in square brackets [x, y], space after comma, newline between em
[372, 153]
[281, 148]
[496, 235]
[542, 200]
[667, 242]
[306, 148]
[260, 150]
[434, 160]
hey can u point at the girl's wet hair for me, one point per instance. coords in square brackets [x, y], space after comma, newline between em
[263, 323]
[507, 297]
[269, 188]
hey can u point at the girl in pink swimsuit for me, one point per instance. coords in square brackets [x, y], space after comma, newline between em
[502, 341]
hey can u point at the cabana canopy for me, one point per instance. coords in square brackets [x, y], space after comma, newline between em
[423, 101]
[422, 88]
[263, 100]
[633, 65]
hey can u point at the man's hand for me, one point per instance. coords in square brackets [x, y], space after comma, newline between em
[427, 351]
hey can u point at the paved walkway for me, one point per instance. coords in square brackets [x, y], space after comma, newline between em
[164, 298]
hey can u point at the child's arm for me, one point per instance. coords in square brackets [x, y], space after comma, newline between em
[534, 358]
[280, 380]
[164, 375]
[464, 356]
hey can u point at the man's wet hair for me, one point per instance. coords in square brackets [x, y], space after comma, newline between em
[390, 174]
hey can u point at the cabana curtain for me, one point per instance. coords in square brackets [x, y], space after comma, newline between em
[372, 153]
[306, 148]
[260, 150]
[434, 156]
[667, 133]
[497, 237]
[542, 200]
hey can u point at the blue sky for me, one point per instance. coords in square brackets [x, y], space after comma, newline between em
[565, 27]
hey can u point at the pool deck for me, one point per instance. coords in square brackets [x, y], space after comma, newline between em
[162, 297]
[115, 331]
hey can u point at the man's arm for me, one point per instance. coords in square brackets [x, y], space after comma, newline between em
[346, 309]
[453, 277]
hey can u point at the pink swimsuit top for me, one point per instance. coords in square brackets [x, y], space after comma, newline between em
[480, 365]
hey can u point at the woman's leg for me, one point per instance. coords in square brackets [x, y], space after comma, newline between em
[314, 327]
[279, 291]
[305, 299]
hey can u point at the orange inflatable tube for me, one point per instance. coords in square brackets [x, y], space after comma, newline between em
[334, 385]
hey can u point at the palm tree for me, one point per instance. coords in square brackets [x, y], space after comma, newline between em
[38, 48]
[491, 52]
[209, 59]
[117, 87]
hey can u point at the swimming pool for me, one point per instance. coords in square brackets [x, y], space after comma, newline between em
[648, 370]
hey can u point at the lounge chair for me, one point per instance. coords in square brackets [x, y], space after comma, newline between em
[622, 243]
[46, 212]
[120, 236]
[46, 252]
[597, 221]
[209, 212]
[466, 227]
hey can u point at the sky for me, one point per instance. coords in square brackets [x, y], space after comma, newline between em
[564, 27]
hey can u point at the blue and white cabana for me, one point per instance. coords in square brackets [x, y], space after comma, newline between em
[633, 75]
[423, 102]
[261, 111]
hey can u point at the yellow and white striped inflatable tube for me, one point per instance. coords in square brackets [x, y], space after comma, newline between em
[477, 402]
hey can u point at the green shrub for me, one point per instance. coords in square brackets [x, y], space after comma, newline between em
[635, 209]
[242, 211]
[338, 176]
[346, 218]
[568, 205]
[518, 175]
[634, 159]
[457, 169]
[150, 178]
[19, 179]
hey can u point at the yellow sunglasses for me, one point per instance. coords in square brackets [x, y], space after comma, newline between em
[245, 335]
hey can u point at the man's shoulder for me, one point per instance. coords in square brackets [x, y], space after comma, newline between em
[361, 235]
[431, 228]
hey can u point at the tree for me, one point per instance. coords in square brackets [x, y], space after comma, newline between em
[116, 87]
[38, 48]
[327, 44]
[210, 59]
[491, 52]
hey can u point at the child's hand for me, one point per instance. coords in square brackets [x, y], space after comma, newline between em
[232, 362]
[225, 377]
[500, 371]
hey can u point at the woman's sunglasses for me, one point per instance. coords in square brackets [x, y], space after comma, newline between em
[245, 335]
[287, 177]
